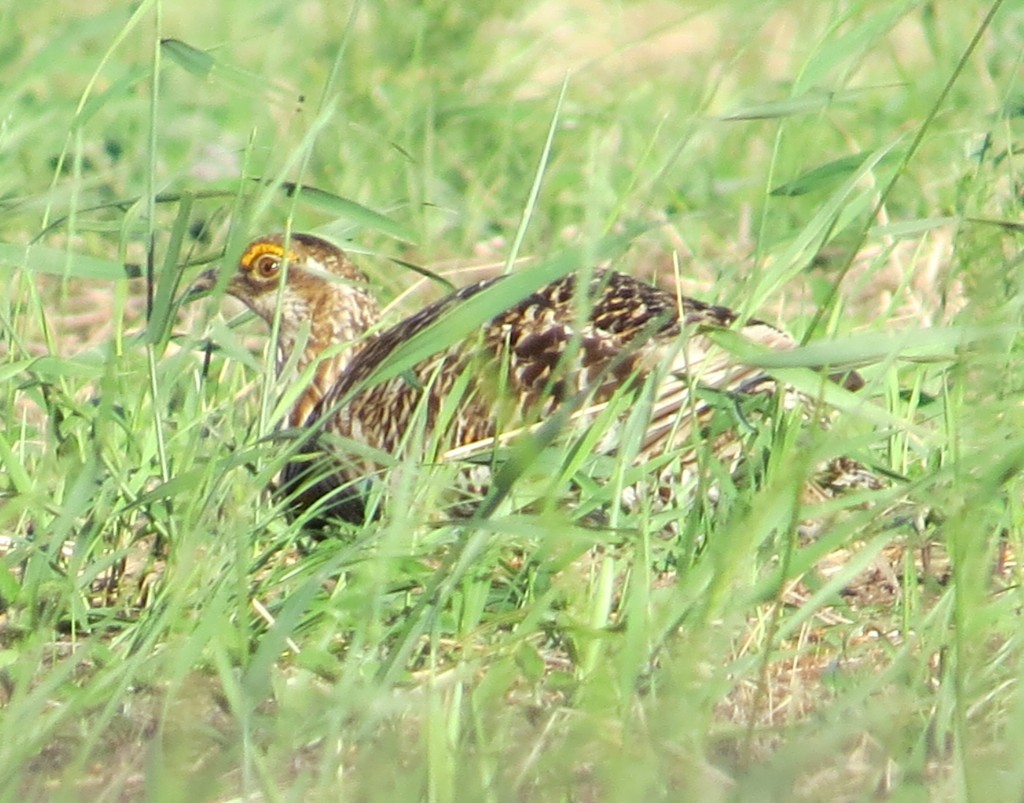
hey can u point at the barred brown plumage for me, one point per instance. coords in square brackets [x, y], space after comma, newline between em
[561, 343]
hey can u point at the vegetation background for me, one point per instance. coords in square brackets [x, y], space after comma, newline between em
[848, 168]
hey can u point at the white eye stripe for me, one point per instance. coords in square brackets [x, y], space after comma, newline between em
[316, 269]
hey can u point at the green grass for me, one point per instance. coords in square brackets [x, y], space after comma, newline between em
[848, 169]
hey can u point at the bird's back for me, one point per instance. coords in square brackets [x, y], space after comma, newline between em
[557, 344]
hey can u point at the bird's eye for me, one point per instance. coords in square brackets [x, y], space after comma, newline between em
[265, 266]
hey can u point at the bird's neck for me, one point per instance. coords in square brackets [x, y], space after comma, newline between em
[338, 331]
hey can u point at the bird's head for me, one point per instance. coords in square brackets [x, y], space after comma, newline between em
[316, 271]
[324, 298]
[314, 282]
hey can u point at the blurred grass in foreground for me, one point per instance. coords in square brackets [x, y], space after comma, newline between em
[160, 635]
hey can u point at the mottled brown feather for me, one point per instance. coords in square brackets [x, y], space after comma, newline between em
[516, 371]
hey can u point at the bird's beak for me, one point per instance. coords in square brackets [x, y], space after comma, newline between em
[202, 286]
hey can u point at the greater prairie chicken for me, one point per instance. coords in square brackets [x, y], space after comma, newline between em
[577, 341]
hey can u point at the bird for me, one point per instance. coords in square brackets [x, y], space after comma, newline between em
[575, 344]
